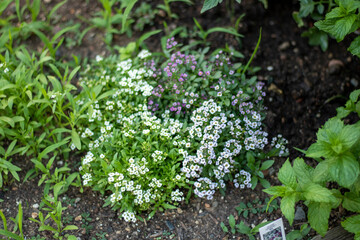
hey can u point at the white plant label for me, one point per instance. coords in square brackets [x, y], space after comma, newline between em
[273, 231]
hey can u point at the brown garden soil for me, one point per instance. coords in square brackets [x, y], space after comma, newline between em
[304, 88]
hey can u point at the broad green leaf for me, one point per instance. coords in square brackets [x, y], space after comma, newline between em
[276, 190]
[302, 171]
[318, 150]
[318, 216]
[337, 12]
[306, 8]
[209, 4]
[339, 28]
[287, 207]
[349, 5]
[355, 47]
[317, 38]
[351, 202]
[287, 175]
[352, 224]
[315, 192]
[265, 165]
[321, 172]
[243, 228]
[349, 135]
[344, 169]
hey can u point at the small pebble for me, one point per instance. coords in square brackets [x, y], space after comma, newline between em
[36, 206]
[284, 46]
[78, 218]
[354, 82]
[270, 68]
[179, 210]
[34, 215]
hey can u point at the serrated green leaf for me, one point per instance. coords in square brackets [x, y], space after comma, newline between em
[321, 172]
[318, 216]
[351, 202]
[355, 47]
[315, 192]
[276, 190]
[302, 171]
[344, 169]
[352, 224]
[209, 4]
[306, 8]
[287, 175]
[287, 207]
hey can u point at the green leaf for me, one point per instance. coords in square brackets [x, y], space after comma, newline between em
[9, 234]
[168, 206]
[51, 148]
[287, 207]
[317, 38]
[352, 224]
[344, 169]
[321, 172]
[315, 192]
[232, 221]
[351, 202]
[355, 47]
[70, 227]
[287, 175]
[276, 191]
[130, 4]
[209, 4]
[306, 8]
[302, 171]
[76, 139]
[243, 228]
[339, 28]
[223, 227]
[265, 165]
[318, 216]
[7, 120]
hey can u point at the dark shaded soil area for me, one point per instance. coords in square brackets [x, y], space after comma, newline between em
[305, 85]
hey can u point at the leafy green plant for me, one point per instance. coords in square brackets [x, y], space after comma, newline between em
[99, 236]
[335, 18]
[255, 207]
[209, 4]
[337, 151]
[86, 219]
[299, 234]
[6, 166]
[54, 211]
[241, 227]
[17, 226]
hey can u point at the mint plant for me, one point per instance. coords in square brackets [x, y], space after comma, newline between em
[335, 18]
[337, 151]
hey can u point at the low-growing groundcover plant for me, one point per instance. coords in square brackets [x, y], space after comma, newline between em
[334, 182]
[188, 123]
